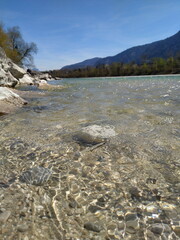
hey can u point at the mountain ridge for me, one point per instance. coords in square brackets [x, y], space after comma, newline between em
[165, 48]
[82, 64]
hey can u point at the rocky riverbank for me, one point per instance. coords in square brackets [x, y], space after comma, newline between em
[11, 76]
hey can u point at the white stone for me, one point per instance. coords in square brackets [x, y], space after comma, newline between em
[95, 134]
[9, 100]
[106, 131]
[41, 82]
[26, 79]
[6, 93]
[44, 76]
[152, 208]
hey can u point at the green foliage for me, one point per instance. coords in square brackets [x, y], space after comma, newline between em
[19, 51]
[156, 66]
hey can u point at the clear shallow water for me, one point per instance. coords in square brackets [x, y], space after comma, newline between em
[134, 105]
[145, 113]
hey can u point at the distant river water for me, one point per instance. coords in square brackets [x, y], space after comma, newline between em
[146, 106]
[145, 113]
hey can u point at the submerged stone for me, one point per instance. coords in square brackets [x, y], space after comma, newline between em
[36, 176]
[4, 216]
[92, 227]
[158, 228]
[94, 134]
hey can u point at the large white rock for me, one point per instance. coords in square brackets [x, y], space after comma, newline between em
[6, 78]
[9, 71]
[6, 93]
[9, 100]
[26, 79]
[44, 76]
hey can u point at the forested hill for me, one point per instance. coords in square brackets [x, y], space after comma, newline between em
[166, 48]
[84, 64]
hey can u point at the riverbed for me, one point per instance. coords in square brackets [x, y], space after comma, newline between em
[125, 188]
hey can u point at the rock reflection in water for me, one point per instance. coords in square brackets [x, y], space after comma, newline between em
[126, 187]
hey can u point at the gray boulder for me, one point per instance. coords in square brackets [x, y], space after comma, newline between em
[94, 134]
[16, 71]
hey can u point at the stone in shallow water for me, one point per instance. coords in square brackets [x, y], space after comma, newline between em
[18, 146]
[158, 228]
[36, 176]
[130, 216]
[4, 216]
[176, 229]
[4, 185]
[94, 134]
[22, 228]
[93, 208]
[93, 227]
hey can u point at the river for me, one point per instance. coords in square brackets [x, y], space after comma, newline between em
[126, 188]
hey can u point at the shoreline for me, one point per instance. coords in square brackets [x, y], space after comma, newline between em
[161, 75]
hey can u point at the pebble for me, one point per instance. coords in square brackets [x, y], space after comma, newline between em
[130, 216]
[152, 208]
[158, 228]
[151, 180]
[4, 216]
[35, 176]
[121, 225]
[94, 209]
[167, 206]
[92, 227]
[135, 193]
[74, 188]
[133, 224]
[4, 185]
[176, 229]
[112, 226]
[130, 230]
[72, 203]
[22, 228]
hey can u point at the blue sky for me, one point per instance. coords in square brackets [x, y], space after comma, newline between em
[69, 31]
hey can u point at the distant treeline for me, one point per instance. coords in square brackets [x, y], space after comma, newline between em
[153, 67]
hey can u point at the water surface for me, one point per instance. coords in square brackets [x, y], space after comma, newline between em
[136, 171]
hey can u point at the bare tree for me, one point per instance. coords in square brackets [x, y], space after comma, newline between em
[26, 50]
